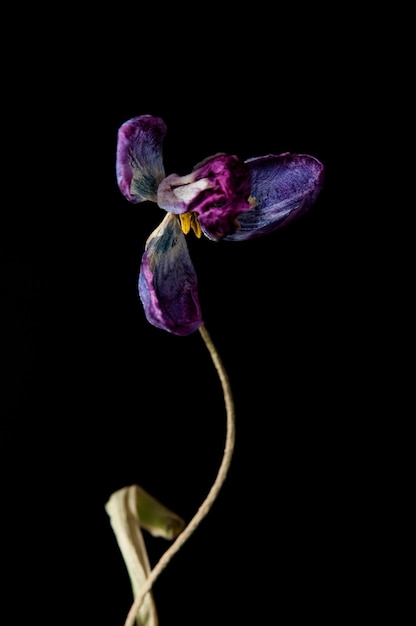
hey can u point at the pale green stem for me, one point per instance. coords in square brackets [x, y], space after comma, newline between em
[212, 494]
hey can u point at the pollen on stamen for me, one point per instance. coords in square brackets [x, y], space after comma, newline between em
[195, 225]
[185, 219]
[190, 220]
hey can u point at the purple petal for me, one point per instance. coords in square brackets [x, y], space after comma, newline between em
[168, 281]
[139, 162]
[284, 187]
[217, 191]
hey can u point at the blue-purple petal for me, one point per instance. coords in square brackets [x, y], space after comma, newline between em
[284, 187]
[139, 159]
[168, 281]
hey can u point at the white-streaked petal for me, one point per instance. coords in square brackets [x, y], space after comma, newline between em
[139, 161]
[168, 286]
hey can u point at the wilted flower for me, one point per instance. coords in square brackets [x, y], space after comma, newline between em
[223, 198]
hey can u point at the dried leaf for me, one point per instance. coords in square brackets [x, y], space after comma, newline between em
[130, 509]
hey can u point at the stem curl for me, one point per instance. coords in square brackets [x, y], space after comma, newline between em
[213, 492]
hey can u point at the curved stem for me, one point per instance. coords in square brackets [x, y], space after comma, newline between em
[212, 494]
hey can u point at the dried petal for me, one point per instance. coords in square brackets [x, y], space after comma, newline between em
[168, 281]
[284, 187]
[217, 191]
[139, 161]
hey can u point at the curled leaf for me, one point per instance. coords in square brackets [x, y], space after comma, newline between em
[130, 509]
[158, 520]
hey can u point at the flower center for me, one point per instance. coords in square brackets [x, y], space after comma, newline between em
[190, 220]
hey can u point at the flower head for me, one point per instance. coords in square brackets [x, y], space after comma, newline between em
[223, 198]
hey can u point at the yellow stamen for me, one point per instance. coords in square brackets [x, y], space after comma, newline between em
[195, 225]
[190, 220]
[185, 222]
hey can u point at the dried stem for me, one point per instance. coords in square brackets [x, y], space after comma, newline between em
[212, 494]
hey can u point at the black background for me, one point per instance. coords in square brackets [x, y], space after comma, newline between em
[96, 398]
